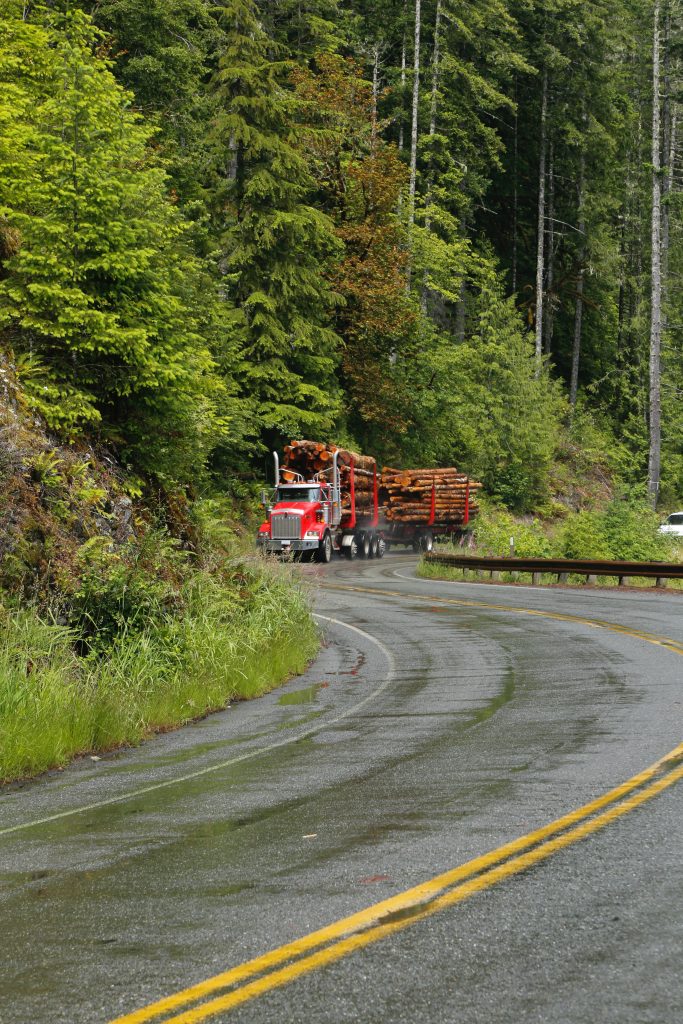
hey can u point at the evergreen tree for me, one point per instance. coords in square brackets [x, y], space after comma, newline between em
[98, 288]
[164, 52]
[276, 244]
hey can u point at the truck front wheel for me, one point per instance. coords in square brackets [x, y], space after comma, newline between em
[324, 552]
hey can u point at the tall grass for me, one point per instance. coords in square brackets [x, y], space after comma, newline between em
[227, 644]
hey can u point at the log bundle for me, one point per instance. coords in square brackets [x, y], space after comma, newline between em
[405, 495]
[408, 495]
[310, 458]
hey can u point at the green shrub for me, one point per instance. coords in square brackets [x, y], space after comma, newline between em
[627, 529]
[235, 636]
[124, 592]
[494, 527]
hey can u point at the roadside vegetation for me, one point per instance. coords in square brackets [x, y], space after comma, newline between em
[145, 653]
[624, 528]
[264, 220]
[124, 608]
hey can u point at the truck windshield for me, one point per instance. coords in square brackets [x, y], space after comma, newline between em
[298, 494]
[676, 519]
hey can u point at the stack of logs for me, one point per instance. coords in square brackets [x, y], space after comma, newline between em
[405, 495]
[408, 493]
[308, 458]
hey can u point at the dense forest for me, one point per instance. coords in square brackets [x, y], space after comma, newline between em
[439, 231]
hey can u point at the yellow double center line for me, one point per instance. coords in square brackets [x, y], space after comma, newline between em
[231, 988]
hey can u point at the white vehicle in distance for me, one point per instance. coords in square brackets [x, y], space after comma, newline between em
[673, 525]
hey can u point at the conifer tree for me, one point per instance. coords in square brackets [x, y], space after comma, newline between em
[276, 244]
[98, 287]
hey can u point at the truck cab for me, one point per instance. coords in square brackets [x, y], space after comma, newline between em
[311, 518]
[302, 517]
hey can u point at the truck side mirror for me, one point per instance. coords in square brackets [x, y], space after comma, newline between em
[264, 499]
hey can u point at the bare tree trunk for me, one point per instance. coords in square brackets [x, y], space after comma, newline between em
[540, 250]
[578, 311]
[670, 127]
[461, 313]
[413, 142]
[515, 195]
[436, 67]
[375, 94]
[548, 321]
[655, 455]
[666, 207]
[403, 79]
[414, 123]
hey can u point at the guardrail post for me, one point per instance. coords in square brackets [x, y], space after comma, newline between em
[495, 575]
[622, 581]
[536, 579]
[563, 577]
[591, 580]
[660, 581]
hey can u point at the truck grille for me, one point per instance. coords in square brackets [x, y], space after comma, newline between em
[284, 527]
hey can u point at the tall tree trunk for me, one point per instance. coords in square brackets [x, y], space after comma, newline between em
[413, 141]
[415, 112]
[655, 419]
[375, 94]
[403, 78]
[578, 310]
[670, 127]
[515, 193]
[668, 185]
[461, 313]
[549, 318]
[540, 249]
[436, 67]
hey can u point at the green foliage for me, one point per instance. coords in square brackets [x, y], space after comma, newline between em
[494, 528]
[627, 529]
[276, 244]
[124, 592]
[97, 291]
[236, 637]
[162, 49]
[484, 405]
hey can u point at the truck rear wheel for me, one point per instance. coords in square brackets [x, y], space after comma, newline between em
[324, 552]
[364, 546]
[374, 547]
[351, 550]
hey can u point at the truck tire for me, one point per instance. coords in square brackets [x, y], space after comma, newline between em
[324, 552]
[382, 547]
[351, 550]
[364, 545]
[374, 546]
[423, 542]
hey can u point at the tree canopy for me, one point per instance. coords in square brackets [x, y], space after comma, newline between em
[441, 231]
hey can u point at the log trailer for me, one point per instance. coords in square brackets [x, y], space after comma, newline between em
[309, 519]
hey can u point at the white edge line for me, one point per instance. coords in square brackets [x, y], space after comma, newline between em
[235, 760]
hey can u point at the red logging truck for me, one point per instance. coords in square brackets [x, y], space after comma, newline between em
[309, 519]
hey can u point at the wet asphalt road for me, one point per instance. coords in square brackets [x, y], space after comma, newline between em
[445, 732]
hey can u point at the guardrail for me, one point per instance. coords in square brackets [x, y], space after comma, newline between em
[563, 568]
